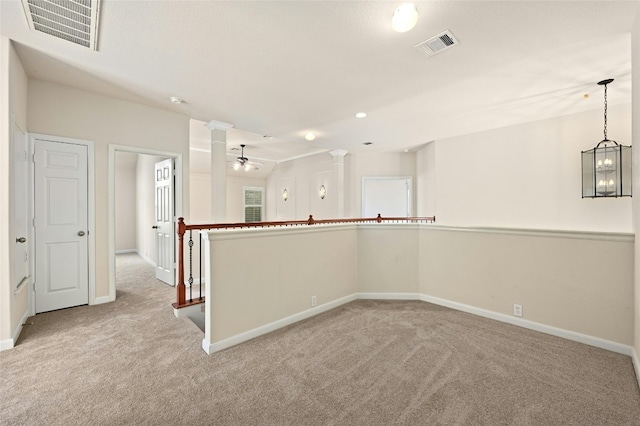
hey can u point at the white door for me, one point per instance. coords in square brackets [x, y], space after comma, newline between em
[387, 196]
[164, 227]
[61, 225]
[20, 208]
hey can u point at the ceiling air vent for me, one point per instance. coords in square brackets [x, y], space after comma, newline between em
[71, 20]
[437, 44]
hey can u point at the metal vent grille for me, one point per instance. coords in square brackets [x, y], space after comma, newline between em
[71, 20]
[437, 44]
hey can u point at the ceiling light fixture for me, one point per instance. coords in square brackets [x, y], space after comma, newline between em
[606, 169]
[310, 136]
[361, 115]
[176, 100]
[242, 161]
[404, 18]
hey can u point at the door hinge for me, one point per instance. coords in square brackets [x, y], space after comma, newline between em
[25, 156]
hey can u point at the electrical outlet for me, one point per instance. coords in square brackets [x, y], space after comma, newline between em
[517, 310]
[313, 301]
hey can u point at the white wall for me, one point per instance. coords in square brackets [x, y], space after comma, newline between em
[573, 284]
[573, 281]
[260, 285]
[302, 178]
[59, 110]
[126, 223]
[13, 103]
[201, 197]
[426, 178]
[379, 164]
[527, 176]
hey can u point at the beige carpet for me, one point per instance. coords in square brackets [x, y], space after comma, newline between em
[366, 363]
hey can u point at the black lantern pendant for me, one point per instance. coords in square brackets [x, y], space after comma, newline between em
[606, 169]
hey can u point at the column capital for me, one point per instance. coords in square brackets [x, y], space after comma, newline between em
[338, 152]
[218, 125]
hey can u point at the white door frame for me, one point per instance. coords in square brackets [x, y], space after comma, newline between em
[91, 220]
[177, 159]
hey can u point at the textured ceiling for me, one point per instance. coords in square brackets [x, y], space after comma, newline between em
[285, 68]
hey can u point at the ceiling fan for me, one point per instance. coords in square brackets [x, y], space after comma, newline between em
[243, 162]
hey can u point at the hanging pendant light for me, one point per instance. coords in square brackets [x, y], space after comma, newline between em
[606, 169]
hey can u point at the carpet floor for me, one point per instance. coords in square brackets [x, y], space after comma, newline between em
[364, 363]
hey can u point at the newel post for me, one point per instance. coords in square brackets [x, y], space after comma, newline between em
[311, 220]
[180, 288]
[379, 218]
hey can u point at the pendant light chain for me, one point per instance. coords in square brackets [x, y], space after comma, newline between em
[605, 112]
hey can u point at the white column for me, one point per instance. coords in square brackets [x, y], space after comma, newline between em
[218, 170]
[338, 179]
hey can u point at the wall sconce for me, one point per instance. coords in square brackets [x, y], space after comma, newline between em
[285, 194]
[606, 169]
[322, 191]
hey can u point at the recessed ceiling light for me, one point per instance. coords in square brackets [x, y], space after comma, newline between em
[367, 143]
[404, 18]
[309, 136]
[361, 115]
[586, 96]
[267, 136]
[176, 100]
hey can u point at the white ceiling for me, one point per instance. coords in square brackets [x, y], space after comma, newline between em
[285, 68]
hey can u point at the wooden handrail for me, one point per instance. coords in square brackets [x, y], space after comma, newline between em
[181, 299]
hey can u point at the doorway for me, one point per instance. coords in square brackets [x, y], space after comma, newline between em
[387, 196]
[133, 210]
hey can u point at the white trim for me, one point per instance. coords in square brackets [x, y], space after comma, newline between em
[146, 258]
[388, 296]
[210, 348]
[219, 125]
[580, 235]
[241, 233]
[6, 344]
[103, 299]
[125, 251]
[531, 325]
[10, 343]
[636, 363]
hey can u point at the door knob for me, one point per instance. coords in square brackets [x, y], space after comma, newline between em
[21, 240]
[80, 233]
[154, 227]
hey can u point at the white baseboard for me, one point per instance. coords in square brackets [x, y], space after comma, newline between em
[125, 251]
[531, 325]
[636, 364]
[10, 343]
[547, 329]
[388, 296]
[102, 299]
[146, 259]
[259, 331]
